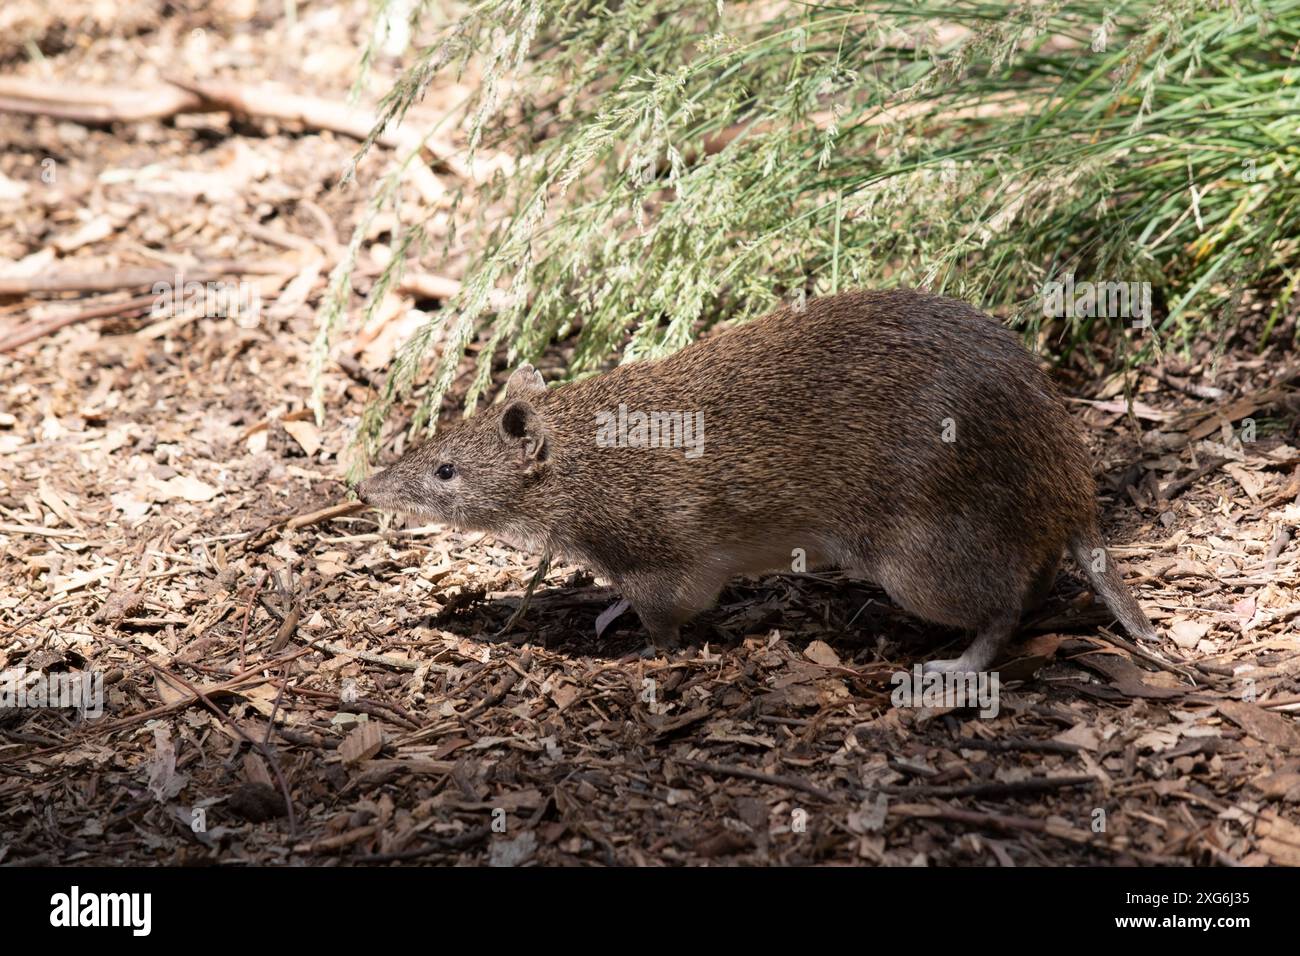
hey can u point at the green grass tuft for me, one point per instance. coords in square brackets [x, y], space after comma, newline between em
[686, 163]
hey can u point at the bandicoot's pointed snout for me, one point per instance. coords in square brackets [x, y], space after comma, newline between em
[400, 490]
[385, 490]
[366, 489]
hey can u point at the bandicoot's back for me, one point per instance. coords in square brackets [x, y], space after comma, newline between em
[865, 407]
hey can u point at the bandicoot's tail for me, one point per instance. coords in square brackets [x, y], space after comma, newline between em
[1089, 552]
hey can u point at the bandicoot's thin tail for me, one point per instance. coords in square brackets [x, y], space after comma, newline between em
[1089, 552]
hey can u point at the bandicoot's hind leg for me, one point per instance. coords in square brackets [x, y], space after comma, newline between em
[981, 587]
[983, 651]
[992, 638]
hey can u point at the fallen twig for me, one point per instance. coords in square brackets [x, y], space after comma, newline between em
[275, 102]
[462, 841]
[1016, 746]
[1178, 486]
[427, 286]
[1208, 392]
[1151, 659]
[94, 104]
[292, 522]
[38, 330]
[372, 658]
[325, 514]
[100, 105]
[503, 687]
[997, 788]
[120, 280]
[777, 780]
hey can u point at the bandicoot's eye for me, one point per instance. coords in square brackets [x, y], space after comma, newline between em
[445, 472]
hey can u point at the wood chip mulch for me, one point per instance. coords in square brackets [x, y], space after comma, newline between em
[346, 689]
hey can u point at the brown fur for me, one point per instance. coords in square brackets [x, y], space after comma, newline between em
[824, 431]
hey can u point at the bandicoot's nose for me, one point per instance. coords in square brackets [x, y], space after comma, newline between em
[377, 490]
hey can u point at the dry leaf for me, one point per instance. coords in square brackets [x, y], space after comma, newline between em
[1264, 725]
[188, 489]
[564, 695]
[130, 506]
[1187, 634]
[169, 692]
[96, 230]
[306, 434]
[1080, 735]
[1158, 741]
[819, 652]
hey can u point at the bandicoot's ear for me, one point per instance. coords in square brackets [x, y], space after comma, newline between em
[523, 382]
[522, 427]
